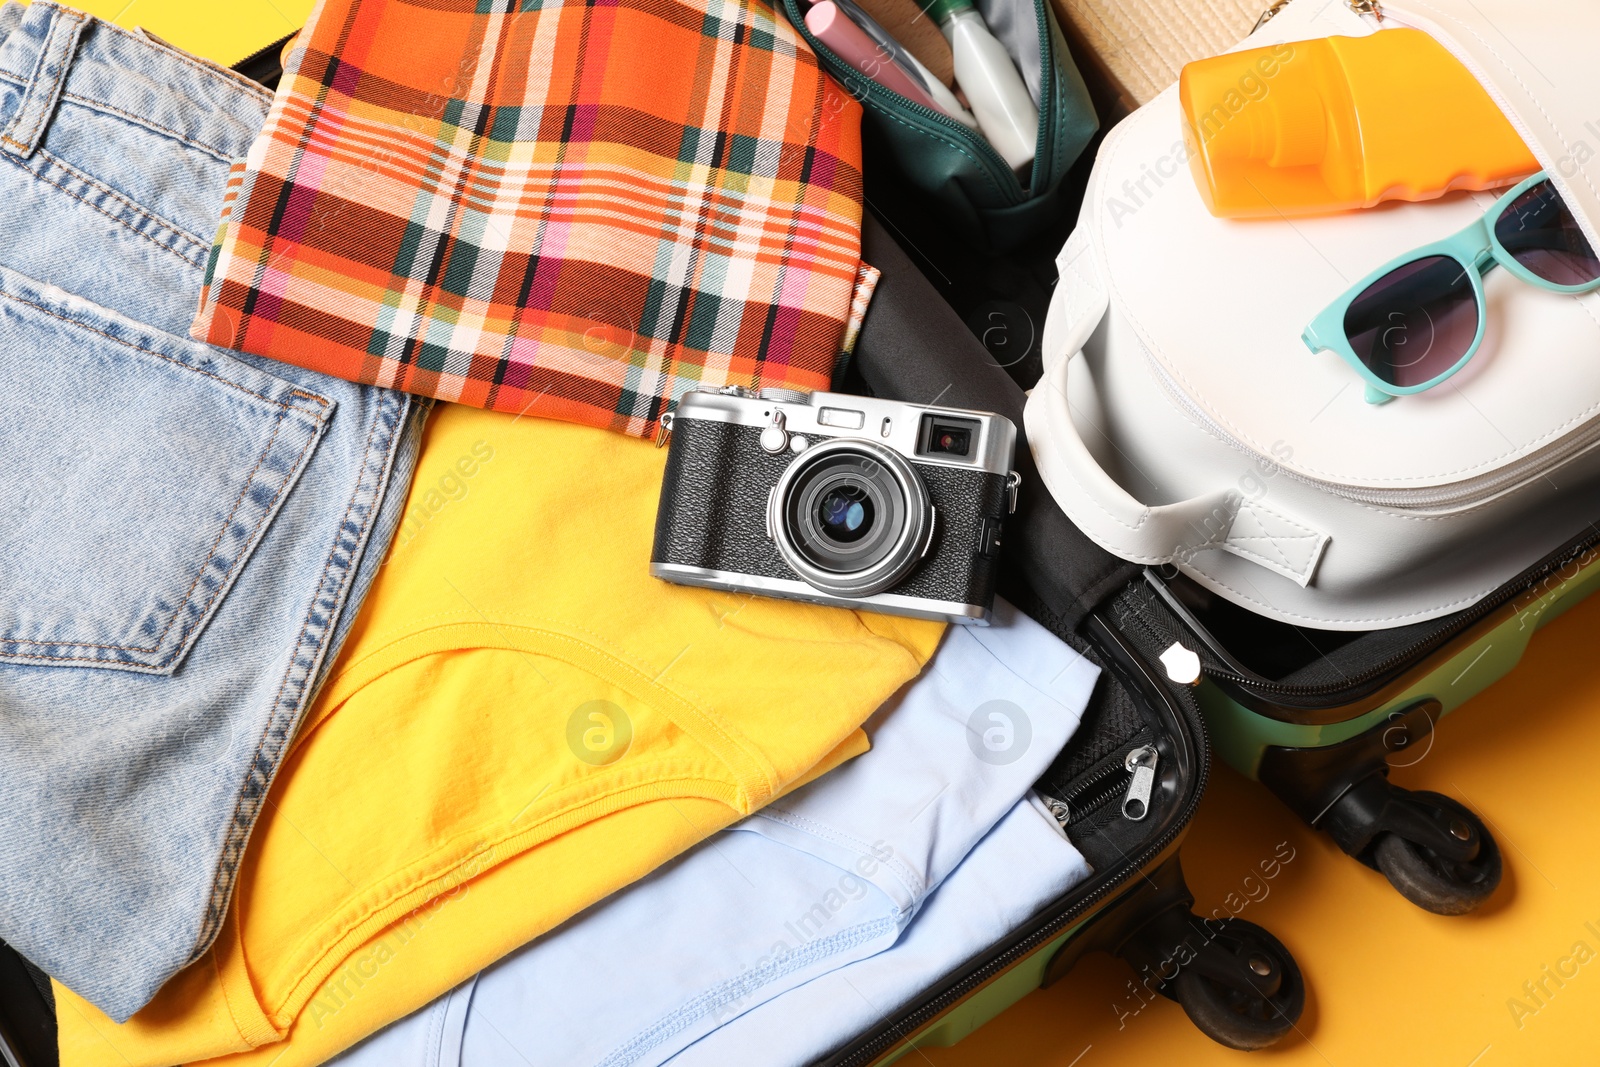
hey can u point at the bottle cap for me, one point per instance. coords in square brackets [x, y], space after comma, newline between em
[1256, 128]
[941, 10]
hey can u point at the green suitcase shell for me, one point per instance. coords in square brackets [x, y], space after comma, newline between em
[1322, 734]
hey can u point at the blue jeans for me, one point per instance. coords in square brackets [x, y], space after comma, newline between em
[186, 531]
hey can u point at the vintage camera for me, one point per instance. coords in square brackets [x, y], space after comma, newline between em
[835, 499]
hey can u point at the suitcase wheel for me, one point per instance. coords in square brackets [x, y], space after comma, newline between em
[1243, 990]
[1452, 868]
[1235, 981]
[1433, 849]
[1436, 852]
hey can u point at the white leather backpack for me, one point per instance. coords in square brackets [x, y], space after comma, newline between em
[1181, 420]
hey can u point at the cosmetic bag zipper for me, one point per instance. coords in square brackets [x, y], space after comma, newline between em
[864, 90]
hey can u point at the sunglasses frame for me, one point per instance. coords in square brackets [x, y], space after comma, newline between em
[1475, 249]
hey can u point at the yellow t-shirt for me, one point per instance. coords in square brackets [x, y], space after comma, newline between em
[522, 722]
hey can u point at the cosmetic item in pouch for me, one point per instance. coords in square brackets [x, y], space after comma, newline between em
[850, 43]
[943, 99]
[1006, 113]
[1341, 123]
[917, 33]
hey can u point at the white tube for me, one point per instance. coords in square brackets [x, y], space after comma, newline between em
[984, 69]
[943, 97]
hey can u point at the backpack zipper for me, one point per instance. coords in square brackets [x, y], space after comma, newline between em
[1365, 9]
[1452, 497]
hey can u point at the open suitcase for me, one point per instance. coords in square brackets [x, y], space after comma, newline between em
[1235, 980]
[1317, 716]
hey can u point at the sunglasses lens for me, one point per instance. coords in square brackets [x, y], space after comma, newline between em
[1541, 234]
[1414, 323]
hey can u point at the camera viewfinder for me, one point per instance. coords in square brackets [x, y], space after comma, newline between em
[946, 435]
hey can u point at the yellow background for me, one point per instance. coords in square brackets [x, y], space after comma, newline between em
[222, 30]
[1388, 983]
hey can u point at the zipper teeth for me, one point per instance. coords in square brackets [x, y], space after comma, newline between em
[1124, 874]
[1080, 809]
[1487, 606]
[1099, 787]
[1486, 486]
[991, 157]
[982, 144]
[1470, 491]
[1047, 74]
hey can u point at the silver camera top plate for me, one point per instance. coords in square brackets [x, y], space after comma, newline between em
[892, 423]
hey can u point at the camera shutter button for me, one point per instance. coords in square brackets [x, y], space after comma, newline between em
[775, 438]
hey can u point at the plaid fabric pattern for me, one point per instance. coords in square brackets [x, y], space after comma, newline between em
[574, 208]
[866, 284]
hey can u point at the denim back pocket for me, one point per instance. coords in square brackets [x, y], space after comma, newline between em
[143, 470]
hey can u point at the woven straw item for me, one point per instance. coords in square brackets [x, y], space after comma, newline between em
[1139, 46]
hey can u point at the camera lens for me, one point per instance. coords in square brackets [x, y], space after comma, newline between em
[846, 513]
[851, 517]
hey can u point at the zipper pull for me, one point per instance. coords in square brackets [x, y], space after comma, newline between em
[1142, 763]
[1367, 8]
[1058, 810]
[1363, 8]
[1051, 808]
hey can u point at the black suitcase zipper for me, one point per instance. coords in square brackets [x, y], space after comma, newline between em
[1110, 781]
[1382, 670]
[1104, 887]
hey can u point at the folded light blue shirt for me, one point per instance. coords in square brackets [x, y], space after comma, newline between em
[826, 878]
[1023, 864]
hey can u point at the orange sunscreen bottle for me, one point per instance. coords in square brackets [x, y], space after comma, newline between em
[1342, 123]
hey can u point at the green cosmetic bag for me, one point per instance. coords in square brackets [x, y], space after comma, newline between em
[976, 192]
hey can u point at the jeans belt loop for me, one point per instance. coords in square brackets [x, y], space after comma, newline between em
[39, 98]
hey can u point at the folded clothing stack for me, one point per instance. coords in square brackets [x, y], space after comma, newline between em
[750, 948]
[522, 721]
[1021, 866]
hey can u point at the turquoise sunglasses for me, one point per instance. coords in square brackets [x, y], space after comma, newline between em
[1419, 318]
